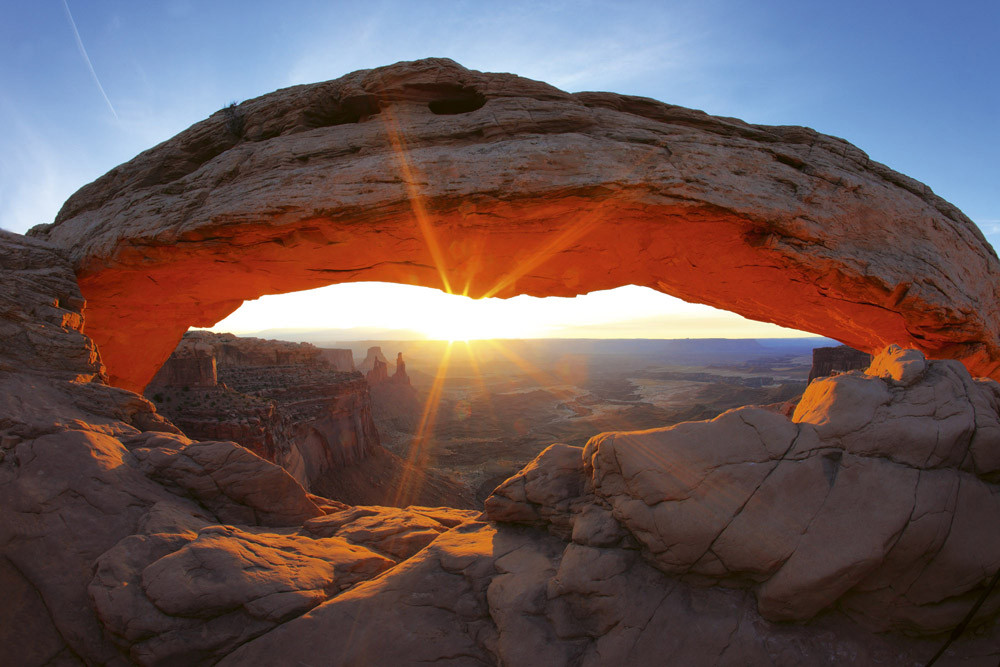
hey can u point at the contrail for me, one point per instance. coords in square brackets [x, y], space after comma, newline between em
[83, 52]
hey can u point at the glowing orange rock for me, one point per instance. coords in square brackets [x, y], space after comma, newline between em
[427, 173]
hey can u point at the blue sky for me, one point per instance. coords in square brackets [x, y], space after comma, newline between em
[914, 84]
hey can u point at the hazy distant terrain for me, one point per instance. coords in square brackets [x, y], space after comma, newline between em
[502, 402]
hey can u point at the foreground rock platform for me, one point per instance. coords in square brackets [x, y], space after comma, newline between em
[490, 184]
[876, 498]
[122, 541]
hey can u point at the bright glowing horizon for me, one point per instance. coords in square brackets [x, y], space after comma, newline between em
[625, 312]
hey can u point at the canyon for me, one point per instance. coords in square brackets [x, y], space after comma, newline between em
[858, 527]
[288, 403]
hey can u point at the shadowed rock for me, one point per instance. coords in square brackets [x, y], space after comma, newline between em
[830, 360]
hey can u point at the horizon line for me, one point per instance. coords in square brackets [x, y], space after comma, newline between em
[255, 334]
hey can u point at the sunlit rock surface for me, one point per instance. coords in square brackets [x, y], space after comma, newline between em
[875, 499]
[490, 184]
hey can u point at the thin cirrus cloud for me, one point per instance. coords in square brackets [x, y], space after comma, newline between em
[86, 59]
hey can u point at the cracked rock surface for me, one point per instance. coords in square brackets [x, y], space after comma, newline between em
[877, 498]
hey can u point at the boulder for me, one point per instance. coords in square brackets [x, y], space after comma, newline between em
[755, 500]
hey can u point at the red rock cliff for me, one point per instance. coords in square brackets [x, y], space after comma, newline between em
[282, 400]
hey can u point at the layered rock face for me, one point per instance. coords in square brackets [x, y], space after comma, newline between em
[490, 184]
[41, 313]
[341, 360]
[286, 403]
[231, 351]
[123, 541]
[280, 399]
[830, 360]
[329, 416]
[188, 366]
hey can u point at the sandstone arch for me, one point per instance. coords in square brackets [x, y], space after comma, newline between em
[490, 184]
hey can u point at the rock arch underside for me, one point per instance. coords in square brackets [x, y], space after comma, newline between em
[490, 184]
[859, 529]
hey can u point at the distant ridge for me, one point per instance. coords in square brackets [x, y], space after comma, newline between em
[375, 335]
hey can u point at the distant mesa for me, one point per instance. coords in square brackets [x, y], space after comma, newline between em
[190, 365]
[378, 368]
[379, 373]
[373, 357]
[290, 404]
[341, 360]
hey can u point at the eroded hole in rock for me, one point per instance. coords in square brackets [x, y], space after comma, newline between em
[461, 100]
[341, 112]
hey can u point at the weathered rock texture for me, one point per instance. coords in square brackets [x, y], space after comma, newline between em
[41, 313]
[231, 351]
[489, 184]
[281, 399]
[830, 360]
[399, 376]
[378, 374]
[124, 542]
[876, 498]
